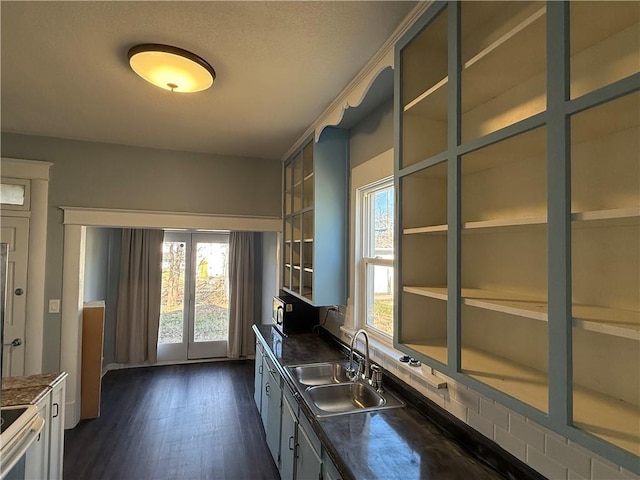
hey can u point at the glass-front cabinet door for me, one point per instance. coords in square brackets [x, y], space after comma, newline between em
[518, 213]
[314, 233]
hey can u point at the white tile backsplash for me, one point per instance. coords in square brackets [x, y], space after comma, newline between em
[511, 444]
[526, 432]
[546, 466]
[494, 412]
[569, 456]
[482, 424]
[601, 471]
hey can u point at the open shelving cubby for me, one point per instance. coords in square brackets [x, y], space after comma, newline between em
[514, 138]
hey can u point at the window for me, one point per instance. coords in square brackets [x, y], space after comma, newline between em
[376, 208]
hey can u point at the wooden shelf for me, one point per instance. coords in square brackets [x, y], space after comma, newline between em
[606, 417]
[431, 229]
[609, 321]
[618, 216]
[615, 217]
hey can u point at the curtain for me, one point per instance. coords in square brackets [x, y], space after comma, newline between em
[138, 311]
[241, 294]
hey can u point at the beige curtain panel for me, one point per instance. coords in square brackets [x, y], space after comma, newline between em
[138, 311]
[241, 292]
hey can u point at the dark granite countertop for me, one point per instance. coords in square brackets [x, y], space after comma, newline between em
[28, 390]
[395, 443]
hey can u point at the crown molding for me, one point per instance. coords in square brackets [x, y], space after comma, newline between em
[362, 81]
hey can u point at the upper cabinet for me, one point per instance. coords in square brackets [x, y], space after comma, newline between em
[518, 176]
[314, 241]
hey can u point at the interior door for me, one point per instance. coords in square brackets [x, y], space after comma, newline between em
[15, 232]
[194, 316]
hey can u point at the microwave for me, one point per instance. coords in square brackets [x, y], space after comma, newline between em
[291, 315]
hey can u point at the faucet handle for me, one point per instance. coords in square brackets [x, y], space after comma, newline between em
[376, 377]
[362, 368]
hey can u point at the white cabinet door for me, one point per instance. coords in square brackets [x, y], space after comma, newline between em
[273, 392]
[287, 442]
[56, 448]
[257, 384]
[308, 462]
[37, 457]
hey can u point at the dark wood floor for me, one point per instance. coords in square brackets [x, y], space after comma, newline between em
[194, 421]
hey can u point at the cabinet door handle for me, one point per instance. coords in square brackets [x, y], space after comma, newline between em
[57, 409]
[260, 369]
[267, 389]
[291, 447]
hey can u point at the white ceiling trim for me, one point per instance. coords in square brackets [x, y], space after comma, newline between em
[118, 218]
[363, 80]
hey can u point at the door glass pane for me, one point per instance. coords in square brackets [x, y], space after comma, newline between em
[172, 297]
[11, 194]
[211, 321]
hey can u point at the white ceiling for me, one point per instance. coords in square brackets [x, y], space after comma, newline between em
[279, 65]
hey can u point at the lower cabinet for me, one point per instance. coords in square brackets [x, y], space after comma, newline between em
[44, 457]
[295, 447]
[271, 407]
[257, 387]
[37, 458]
[300, 447]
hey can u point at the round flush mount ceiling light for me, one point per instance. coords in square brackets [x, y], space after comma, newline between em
[171, 68]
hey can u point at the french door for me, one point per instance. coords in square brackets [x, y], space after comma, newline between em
[194, 313]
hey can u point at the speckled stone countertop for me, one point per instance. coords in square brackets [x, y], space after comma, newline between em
[395, 443]
[29, 389]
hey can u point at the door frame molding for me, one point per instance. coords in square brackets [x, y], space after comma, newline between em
[75, 221]
[38, 173]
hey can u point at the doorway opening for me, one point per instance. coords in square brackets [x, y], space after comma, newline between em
[194, 311]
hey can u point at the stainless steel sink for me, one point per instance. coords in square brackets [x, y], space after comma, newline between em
[351, 397]
[329, 390]
[320, 374]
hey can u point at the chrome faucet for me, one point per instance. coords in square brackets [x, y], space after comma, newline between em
[363, 370]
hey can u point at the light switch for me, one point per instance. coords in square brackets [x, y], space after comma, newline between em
[54, 305]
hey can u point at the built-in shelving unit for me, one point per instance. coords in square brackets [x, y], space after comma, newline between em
[313, 253]
[482, 213]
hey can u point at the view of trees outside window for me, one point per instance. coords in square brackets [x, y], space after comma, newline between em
[211, 292]
[379, 266]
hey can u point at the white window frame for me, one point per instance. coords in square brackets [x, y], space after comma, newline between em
[366, 258]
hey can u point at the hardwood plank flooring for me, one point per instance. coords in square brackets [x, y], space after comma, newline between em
[195, 421]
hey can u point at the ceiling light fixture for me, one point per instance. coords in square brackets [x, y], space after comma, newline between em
[171, 68]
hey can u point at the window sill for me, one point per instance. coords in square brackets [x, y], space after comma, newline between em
[387, 356]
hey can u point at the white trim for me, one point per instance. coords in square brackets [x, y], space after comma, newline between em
[34, 335]
[31, 169]
[104, 217]
[71, 308]
[363, 79]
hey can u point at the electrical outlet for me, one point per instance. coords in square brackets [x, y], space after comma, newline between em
[54, 305]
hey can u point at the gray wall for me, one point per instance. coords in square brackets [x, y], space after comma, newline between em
[87, 174]
[96, 264]
[373, 135]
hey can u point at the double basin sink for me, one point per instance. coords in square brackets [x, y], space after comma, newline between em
[329, 390]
